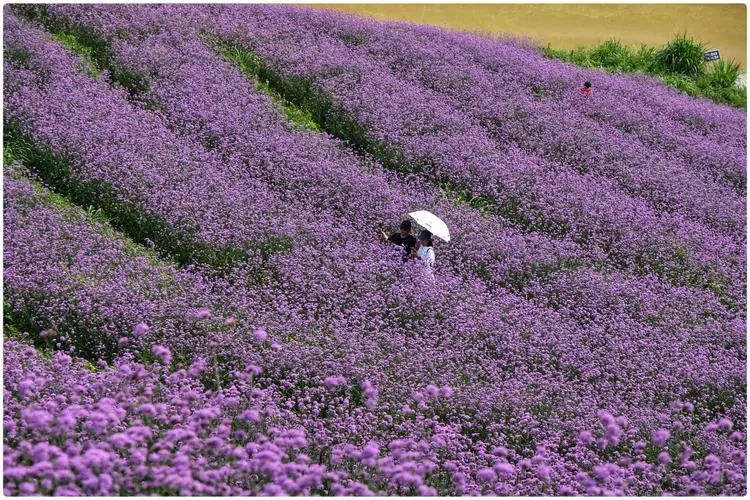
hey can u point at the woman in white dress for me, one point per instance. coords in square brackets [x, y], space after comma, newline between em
[425, 253]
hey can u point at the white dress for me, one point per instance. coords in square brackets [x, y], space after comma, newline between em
[427, 256]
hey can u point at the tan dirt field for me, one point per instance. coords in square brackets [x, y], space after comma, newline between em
[566, 26]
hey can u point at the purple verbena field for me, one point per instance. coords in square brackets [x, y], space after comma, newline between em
[197, 301]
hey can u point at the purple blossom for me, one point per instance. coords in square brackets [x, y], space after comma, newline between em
[664, 458]
[725, 424]
[487, 475]
[162, 353]
[660, 437]
[202, 314]
[141, 329]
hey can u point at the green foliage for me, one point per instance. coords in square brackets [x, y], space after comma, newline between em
[724, 74]
[91, 63]
[703, 86]
[682, 55]
[683, 83]
[644, 59]
[539, 91]
[135, 221]
[679, 64]
[353, 38]
[611, 54]
[250, 64]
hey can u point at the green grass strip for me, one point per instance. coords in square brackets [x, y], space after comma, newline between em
[299, 118]
[128, 217]
[96, 217]
[73, 43]
[98, 196]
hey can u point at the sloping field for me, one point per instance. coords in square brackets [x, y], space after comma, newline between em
[197, 301]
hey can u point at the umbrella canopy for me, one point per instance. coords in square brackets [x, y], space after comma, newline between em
[432, 223]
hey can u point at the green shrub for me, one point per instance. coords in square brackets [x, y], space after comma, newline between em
[682, 55]
[683, 83]
[734, 95]
[644, 59]
[578, 56]
[581, 57]
[724, 74]
[612, 54]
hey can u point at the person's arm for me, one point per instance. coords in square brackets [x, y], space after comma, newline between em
[385, 236]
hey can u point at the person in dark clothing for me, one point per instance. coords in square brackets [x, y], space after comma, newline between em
[403, 238]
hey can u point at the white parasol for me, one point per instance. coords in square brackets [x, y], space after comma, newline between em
[432, 223]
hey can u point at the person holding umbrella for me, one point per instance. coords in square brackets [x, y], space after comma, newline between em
[434, 226]
[425, 252]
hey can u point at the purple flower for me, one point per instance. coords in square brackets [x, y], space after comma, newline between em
[504, 469]
[371, 450]
[725, 424]
[141, 329]
[37, 419]
[585, 438]
[334, 382]
[660, 437]
[162, 353]
[601, 471]
[432, 391]
[201, 314]
[500, 451]
[251, 416]
[487, 475]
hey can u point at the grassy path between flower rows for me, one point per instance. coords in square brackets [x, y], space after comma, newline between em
[304, 117]
[26, 326]
[127, 217]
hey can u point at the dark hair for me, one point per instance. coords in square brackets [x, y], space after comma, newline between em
[405, 225]
[587, 84]
[425, 235]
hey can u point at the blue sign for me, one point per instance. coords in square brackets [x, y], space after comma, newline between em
[711, 55]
